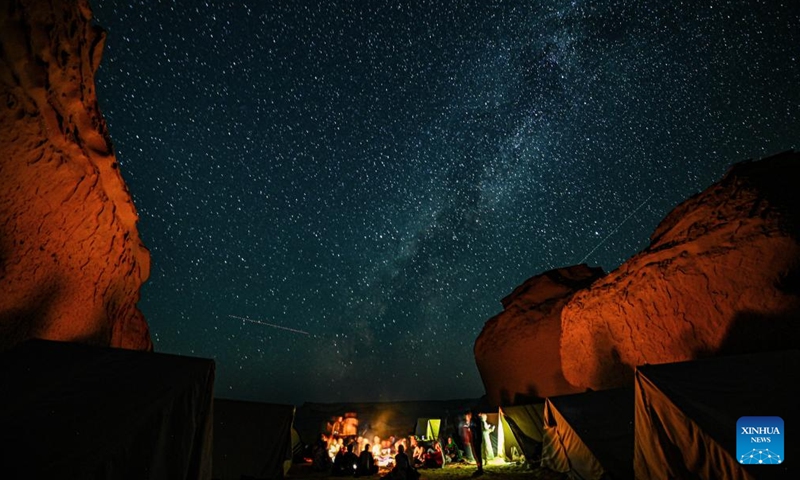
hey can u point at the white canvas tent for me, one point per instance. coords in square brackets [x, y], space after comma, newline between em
[686, 415]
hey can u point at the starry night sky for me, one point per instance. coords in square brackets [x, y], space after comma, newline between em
[380, 174]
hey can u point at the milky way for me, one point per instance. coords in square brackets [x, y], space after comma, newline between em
[380, 174]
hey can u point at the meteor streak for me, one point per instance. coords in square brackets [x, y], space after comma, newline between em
[245, 319]
[615, 229]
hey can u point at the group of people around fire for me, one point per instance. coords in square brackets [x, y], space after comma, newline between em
[344, 453]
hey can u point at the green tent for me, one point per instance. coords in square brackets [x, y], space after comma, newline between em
[428, 428]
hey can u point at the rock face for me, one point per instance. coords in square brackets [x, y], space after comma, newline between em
[721, 276]
[71, 262]
[518, 351]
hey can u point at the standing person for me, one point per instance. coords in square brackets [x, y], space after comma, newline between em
[476, 428]
[466, 437]
[349, 425]
[488, 428]
[336, 427]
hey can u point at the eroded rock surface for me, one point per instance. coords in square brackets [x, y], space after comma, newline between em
[518, 351]
[71, 261]
[721, 276]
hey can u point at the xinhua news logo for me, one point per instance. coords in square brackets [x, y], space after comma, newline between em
[759, 440]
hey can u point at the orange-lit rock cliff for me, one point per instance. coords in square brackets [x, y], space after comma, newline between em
[71, 261]
[518, 351]
[721, 276]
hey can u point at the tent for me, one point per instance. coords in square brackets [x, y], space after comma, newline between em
[507, 448]
[590, 435]
[72, 411]
[252, 439]
[687, 413]
[428, 428]
[521, 427]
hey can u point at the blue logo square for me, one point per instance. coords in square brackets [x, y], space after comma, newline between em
[759, 440]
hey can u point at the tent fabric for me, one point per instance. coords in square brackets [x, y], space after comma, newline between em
[526, 423]
[686, 414]
[428, 428]
[560, 443]
[508, 448]
[590, 435]
[297, 444]
[663, 424]
[71, 411]
[252, 439]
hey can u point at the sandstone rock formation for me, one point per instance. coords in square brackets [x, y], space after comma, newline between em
[721, 275]
[518, 351]
[71, 262]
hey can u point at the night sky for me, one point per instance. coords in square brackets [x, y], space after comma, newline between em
[374, 177]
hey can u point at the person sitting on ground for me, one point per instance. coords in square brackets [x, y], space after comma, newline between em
[434, 457]
[352, 446]
[386, 446]
[452, 451]
[360, 441]
[366, 463]
[402, 468]
[381, 453]
[339, 468]
[401, 459]
[321, 461]
[418, 452]
[350, 462]
[335, 446]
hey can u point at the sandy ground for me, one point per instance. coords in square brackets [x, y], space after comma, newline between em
[508, 471]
